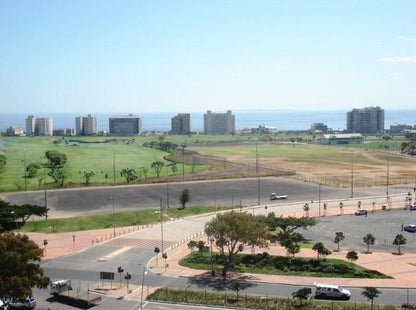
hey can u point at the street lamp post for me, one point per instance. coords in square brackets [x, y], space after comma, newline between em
[352, 173]
[183, 161]
[211, 240]
[114, 165]
[14, 217]
[319, 199]
[141, 294]
[114, 227]
[258, 176]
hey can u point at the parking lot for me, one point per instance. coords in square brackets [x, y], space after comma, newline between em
[383, 225]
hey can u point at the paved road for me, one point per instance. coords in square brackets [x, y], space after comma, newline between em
[70, 202]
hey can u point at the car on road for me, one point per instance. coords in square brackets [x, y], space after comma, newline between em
[410, 228]
[412, 207]
[274, 196]
[28, 303]
[329, 291]
[361, 212]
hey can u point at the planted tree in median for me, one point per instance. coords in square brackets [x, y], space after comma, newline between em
[399, 240]
[322, 251]
[369, 240]
[302, 294]
[231, 232]
[87, 176]
[352, 256]
[184, 197]
[339, 236]
[129, 174]
[371, 293]
[236, 286]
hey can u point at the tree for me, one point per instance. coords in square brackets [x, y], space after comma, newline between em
[87, 176]
[10, 213]
[192, 244]
[302, 294]
[157, 166]
[32, 170]
[129, 174]
[290, 241]
[145, 171]
[306, 208]
[3, 161]
[231, 232]
[320, 248]
[399, 240]
[236, 286]
[174, 168]
[371, 293]
[59, 175]
[184, 197]
[200, 245]
[369, 240]
[55, 158]
[352, 256]
[339, 236]
[19, 266]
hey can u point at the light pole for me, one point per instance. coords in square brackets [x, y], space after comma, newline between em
[258, 177]
[161, 225]
[167, 186]
[141, 294]
[183, 161]
[211, 240]
[114, 165]
[114, 227]
[319, 199]
[352, 173]
[387, 171]
[24, 166]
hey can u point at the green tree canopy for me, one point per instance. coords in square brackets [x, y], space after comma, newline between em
[320, 248]
[10, 213]
[55, 158]
[233, 231]
[369, 240]
[32, 169]
[19, 266]
[371, 293]
[399, 240]
[157, 166]
[352, 256]
[129, 174]
[302, 294]
[3, 162]
[339, 236]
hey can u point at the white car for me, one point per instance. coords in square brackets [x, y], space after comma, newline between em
[4, 305]
[28, 303]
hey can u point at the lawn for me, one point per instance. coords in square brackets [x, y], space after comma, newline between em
[121, 219]
[278, 265]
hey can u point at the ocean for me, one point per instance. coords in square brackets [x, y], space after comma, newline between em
[281, 119]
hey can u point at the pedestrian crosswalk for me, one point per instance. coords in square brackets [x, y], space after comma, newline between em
[139, 243]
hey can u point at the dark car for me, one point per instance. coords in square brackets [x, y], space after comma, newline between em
[361, 212]
[410, 228]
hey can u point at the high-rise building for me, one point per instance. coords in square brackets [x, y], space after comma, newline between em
[86, 126]
[181, 124]
[39, 126]
[127, 125]
[219, 123]
[368, 120]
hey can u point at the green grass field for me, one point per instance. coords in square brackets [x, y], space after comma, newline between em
[121, 219]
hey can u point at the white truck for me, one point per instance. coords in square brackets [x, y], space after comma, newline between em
[61, 286]
[273, 196]
[329, 291]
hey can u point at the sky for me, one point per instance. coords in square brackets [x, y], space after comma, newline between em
[192, 56]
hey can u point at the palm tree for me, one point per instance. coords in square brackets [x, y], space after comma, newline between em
[369, 239]
[339, 236]
[399, 240]
[321, 249]
[371, 293]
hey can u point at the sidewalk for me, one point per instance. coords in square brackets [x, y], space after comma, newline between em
[397, 266]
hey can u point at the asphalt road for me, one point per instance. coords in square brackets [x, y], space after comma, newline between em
[70, 202]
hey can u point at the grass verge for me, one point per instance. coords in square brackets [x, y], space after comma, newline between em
[232, 300]
[120, 219]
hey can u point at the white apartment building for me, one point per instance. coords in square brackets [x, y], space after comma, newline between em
[219, 123]
[86, 126]
[39, 126]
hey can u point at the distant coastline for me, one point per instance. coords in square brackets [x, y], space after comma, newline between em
[161, 121]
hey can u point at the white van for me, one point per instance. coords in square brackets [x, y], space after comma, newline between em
[329, 291]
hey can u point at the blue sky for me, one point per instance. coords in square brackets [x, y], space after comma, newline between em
[188, 56]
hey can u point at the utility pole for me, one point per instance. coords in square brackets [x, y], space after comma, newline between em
[352, 173]
[258, 177]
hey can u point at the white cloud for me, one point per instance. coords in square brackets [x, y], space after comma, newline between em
[406, 38]
[394, 77]
[397, 59]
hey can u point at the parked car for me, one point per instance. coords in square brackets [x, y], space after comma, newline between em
[410, 228]
[361, 212]
[412, 207]
[28, 303]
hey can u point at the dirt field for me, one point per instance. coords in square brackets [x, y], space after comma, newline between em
[340, 167]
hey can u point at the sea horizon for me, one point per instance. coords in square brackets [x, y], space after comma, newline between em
[283, 120]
